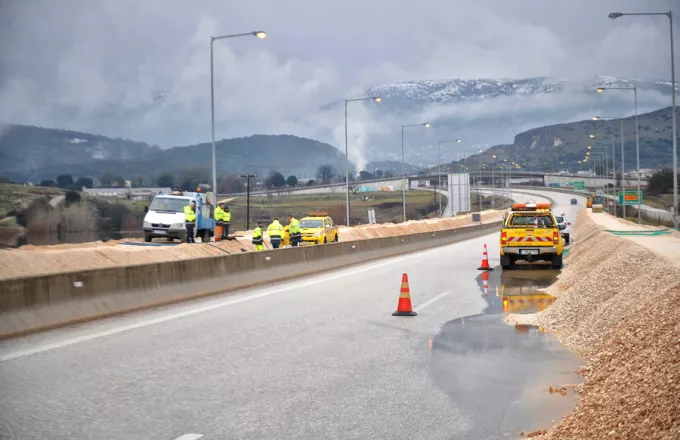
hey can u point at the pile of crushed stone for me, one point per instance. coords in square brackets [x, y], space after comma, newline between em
[617, 306]
[33, 260]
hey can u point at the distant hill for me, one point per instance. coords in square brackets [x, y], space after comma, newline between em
[34, 153]
[26, 149]
[568, 143]
[393, 166]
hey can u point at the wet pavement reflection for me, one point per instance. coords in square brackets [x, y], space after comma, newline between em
[500, 375]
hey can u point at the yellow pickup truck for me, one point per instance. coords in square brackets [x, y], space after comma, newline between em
[318, 228]
[530, 233]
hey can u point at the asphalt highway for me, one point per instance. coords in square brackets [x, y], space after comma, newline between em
[316, 358]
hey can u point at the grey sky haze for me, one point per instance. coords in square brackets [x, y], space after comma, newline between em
[140, 69]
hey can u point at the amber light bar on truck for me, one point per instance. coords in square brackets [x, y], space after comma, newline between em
[533, 207]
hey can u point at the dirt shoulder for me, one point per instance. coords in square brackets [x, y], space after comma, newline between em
[617, 307]
[42, 260]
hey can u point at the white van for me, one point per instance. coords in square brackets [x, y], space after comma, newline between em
[165, 217]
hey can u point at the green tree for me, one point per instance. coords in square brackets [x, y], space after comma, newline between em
[64, 181]
[111, 180]
[192, 177]
[72, 197]
[275, 180]
[292, 181]
[365, 175]
[378, 174]
[311, 182]
[231, 184]
[166, 180]
[84, 182]
[50, 183]
[661, 182]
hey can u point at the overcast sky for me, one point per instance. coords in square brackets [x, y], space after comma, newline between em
[140, 69]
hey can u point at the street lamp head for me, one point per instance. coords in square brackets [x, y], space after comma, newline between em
[601, 89]
[591, 136]
[590, 147]
[427, 125]
[481, 151]
[494, 156]
[460, 140]
[260, 34]
[615, 15]
[596, 118]
[588, 153]
[377, 98]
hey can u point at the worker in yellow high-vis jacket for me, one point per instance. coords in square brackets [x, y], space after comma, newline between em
[275, 232]
[190, 221]
[258, 239]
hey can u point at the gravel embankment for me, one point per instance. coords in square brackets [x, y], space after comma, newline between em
[617, 306]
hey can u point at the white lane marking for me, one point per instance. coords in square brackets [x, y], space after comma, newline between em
[295, 285]
[189, 437]
[430, 301]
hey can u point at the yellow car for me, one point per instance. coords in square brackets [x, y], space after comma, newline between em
[318, 228]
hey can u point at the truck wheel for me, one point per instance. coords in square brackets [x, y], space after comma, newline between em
[325, 240]
[567, 239]
[506, 262]
[336, 238]
[147, 238]
[557, 262]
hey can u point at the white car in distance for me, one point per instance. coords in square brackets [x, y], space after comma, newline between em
[565, 227]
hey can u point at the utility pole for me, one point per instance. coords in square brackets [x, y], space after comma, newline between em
[248, 177]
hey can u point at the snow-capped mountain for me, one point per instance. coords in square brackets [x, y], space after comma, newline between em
[486, 112]
[459, 90]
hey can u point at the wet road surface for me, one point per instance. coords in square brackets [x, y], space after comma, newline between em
[500, 375]
[320, 357]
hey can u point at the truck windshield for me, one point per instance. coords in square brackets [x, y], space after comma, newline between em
[309, 223]
[544, 221]
[167, 204]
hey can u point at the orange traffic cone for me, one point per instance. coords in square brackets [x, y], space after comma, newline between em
[485, 279]
[485, 261]
[404, 306]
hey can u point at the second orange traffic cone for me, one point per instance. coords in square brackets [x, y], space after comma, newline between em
[404, 307]
[485, 261]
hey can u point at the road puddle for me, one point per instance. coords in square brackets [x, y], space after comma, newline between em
[500, 375]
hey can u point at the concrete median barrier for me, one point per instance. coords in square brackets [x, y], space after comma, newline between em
[30, 304]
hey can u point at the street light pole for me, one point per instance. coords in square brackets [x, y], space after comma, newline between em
[620, 118]
[258, 34]
[248, 177]
[376, 99]
[403, 166]
[637, 140]
[668, 14]
[439, 172]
